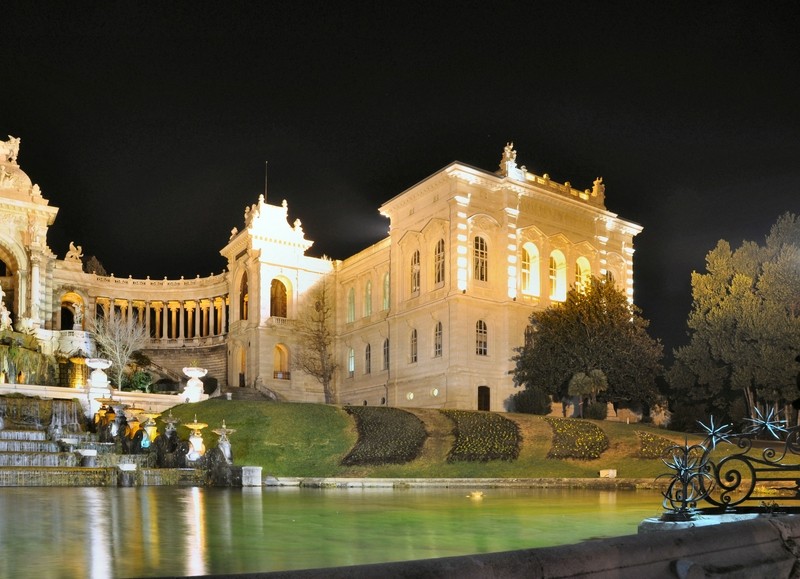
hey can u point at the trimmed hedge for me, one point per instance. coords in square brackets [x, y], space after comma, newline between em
[482, 436]
[651, 445]
[574, 438]
[385, 436]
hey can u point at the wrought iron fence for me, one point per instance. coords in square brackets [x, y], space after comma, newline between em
[760, 456]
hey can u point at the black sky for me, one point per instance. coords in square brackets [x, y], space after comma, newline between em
[149, 123]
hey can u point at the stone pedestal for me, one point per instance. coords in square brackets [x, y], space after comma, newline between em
[126, 476]
[251, 476]
[88, 457]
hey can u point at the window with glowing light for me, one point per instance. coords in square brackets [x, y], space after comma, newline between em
[529, 270]
[386, 291]
[437, 340]
[558, 276]
[583, 273]
[438, 263]
[351, 306]
[480, 259]
[481, 338]
[368, 299]
[415, 272]
[412, 347]
[277, 299]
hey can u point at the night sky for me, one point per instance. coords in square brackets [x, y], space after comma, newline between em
[149, 123]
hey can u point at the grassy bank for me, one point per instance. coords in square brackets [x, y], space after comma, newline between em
[312, 440]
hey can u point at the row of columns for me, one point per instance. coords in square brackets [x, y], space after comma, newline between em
[172, 319]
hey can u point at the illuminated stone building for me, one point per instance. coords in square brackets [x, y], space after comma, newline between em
[427, 317]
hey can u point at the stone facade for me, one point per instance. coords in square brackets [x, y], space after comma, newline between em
[427, 317]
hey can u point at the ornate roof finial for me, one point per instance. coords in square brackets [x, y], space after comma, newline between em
[9, 149]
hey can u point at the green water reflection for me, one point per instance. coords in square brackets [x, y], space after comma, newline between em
[152, 531]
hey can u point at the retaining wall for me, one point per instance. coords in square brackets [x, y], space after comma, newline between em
[764, 547]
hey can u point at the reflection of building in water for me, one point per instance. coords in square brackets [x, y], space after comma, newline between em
[428, 316]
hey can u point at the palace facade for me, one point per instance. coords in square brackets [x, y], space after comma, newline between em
[427, 317]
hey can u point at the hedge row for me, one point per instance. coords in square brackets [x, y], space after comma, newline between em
[385, 436]
[482, 436]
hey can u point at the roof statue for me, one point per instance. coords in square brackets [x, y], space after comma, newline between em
[599, 190]
[509, 154]
[9, 149]
[75, 252]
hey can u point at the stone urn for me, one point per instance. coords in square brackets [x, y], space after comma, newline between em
[194, 387]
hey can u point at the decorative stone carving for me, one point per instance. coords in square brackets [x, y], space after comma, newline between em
[7, 179]
[75, 253]
[9, 149]
[599, 189]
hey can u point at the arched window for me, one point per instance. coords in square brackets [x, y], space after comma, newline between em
[481, 338]
[480, 259]
[351, 362]
[351, 306]
[437, 340]
[415, 272]
[277, 299]
[280, 363]
[438, 263]
[243, 298]
[558, 276]
[412, 347]
[368, 299]
[583, 274]
[368, 359]
[386, 354]
[386, 291]
[529, 271]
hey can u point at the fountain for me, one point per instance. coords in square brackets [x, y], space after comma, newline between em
[196, 447]
[223, 443]
[194, 387]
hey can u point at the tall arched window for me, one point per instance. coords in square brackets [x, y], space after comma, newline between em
[243, 298]
[351, 362]
[368, 299]
[529, 271]
[481, 338]
[583, 274]
[480, 259]
[437, 340]
[412, 347]
[386, 291]
[351, 305]
[368, 359]
[415, 272]
[277, 299]
[558, 276]
[438, 263]
[386, 354]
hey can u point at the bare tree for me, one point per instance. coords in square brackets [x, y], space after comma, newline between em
[117, 340]
[316, 320]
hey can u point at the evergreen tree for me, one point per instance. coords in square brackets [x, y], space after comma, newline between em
[744, 326]
[596, 333]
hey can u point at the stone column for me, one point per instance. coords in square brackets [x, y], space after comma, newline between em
[198, 313]
[212, 329]
[35, 289]
[223, 316]
[181, 334]
[147, 317]
[174, 317]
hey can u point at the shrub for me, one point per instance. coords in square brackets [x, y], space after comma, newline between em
[651, 445]
[532, 400]
[596, 411]
[576, 439]
[482, 436]
[385, 436]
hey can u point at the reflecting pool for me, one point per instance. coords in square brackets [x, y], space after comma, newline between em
[154, 531]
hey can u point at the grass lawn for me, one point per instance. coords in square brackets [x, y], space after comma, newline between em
[310, 440]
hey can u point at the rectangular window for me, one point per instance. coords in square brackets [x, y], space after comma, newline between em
[437, 340]
[480, 259]
[481, 339]
[413, 347]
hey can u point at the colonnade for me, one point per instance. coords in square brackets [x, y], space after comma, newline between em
[170, 319]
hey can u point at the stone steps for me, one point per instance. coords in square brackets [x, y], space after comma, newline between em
[38, 459]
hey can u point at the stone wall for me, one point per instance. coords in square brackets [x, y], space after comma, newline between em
[762, 547]
[213, 358]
